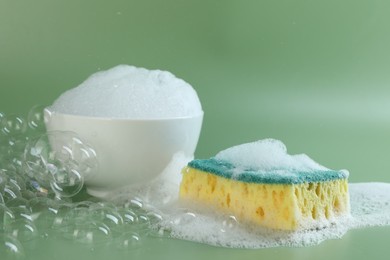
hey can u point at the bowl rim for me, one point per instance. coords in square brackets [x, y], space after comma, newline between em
[48, 112]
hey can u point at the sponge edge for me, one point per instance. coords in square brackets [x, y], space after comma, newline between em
[276, 205]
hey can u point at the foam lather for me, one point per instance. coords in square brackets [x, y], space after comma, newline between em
[281, 194]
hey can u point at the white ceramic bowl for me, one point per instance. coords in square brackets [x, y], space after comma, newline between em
[130, 151]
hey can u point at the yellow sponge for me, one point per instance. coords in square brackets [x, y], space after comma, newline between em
[307, 201]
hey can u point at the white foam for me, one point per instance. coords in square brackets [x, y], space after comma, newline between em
[267, 154]
[130, 92]
[370, 205]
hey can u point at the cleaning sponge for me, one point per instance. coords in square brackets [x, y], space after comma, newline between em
[278, 190]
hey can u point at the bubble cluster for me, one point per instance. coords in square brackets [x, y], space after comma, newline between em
[60, 161]
[40, 175]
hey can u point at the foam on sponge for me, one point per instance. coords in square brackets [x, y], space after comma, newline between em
[260, 183]
[129, 92]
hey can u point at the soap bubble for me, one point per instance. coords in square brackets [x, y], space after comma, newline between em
[70, 215]
[60, 221]
[108, 216]
[11, 248]
[13, 125]
[155, 217]
[76, 215]
[98, 204]
[35, 118]
[128, 241]
[60, 161]
[155, 229]
[28, 194]
[14, 146]
[67, 183]
[143, 221]
[129, 216]
[36, 157]
[3, 180]
[6, 217]
[10, 153]
[3, 136]
[44, 212]
[16, 202]
[21, 212]
[184, 218]
[89, 232]
[85, 204]
[10, 191]
[18, 181]
[136, 204]
[22, 229]
[228, 223]
[40, 204]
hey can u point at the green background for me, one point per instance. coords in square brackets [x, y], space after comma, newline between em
[315, 74]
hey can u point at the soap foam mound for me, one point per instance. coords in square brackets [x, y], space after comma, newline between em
[267, 155]
[129, 92]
